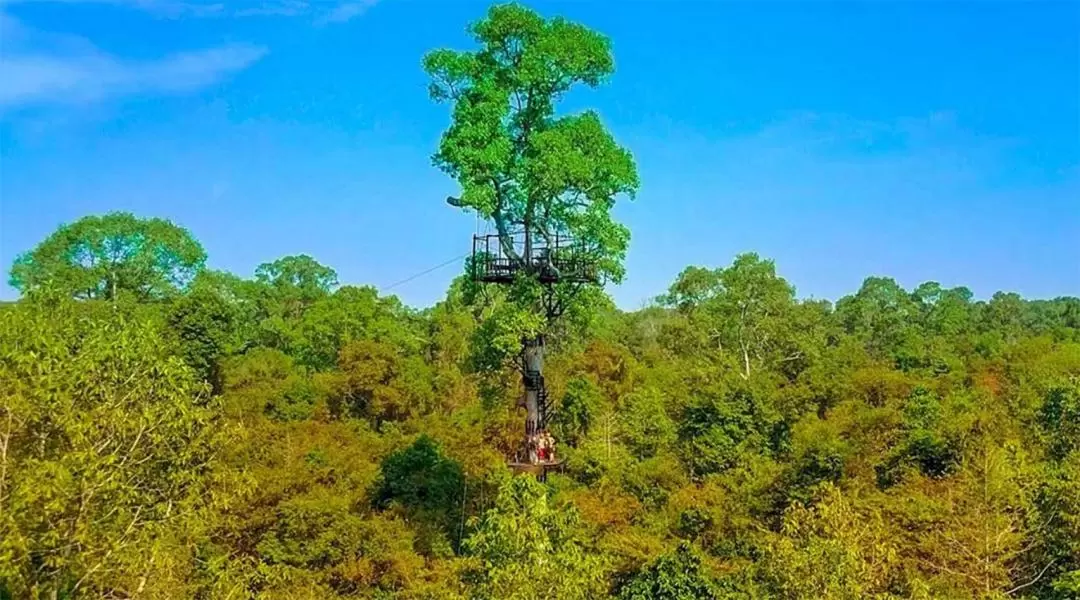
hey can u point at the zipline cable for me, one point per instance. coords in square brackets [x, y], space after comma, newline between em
[422, 273]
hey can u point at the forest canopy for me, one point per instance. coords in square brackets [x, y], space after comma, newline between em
[287, 436]
[172, 431]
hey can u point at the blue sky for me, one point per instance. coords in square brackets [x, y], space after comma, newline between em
[920, 140]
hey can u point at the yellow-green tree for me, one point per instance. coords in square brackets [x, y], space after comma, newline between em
[105, 447]
[525, 548]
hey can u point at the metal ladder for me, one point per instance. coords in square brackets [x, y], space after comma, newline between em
[544, 405]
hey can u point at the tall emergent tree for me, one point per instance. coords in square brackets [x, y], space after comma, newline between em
[539, 176]
[518, 163]
[102, 257]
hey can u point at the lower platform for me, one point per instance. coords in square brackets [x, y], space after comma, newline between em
[539, 470]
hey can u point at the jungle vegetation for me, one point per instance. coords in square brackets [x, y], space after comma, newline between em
[172, 431]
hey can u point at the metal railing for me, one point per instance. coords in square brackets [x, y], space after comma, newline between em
[564, 261]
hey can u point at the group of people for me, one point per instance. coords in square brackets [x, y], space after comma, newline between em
[542, 447]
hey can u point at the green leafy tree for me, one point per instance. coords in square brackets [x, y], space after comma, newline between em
[376, 381]
[317, 547]
[1002, 318]
[882, 315]
[722, 429]
[1059, 418]
[577, 411]
[527, 549]
[531, 171]
[354, 313]
[265, 381]
[286, 289]
[945, 312]
[518, 163]
[925, 445]
[744, 311]
[819, 454]
[106, 448]
[205, 322]
[451, 325]
[646, 427]
[692, 288]
[297, 280]
[103, 257]
[426, 484]
[1059, 506]
[830, 550]
[674, 576]
[977, 534]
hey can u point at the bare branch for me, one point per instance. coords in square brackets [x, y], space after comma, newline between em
[1033, 581]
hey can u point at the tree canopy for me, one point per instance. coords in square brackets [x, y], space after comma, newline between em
[101, 257]
[281, 435]
[168, 431]
[519, 163]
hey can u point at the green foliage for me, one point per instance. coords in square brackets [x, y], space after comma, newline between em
[297, 280]
[868, 452]
[106, 446]
[579, 407]
[205, 322]
[743, 311]
[881, 315]
[104, 257]
[819, 456]
[505, 136]
[201, 435]
[426, 484]
[830, 550]
[944, 311]
[1060, 420]
[375, 381]
[284, 291]
[717, 431]
[497, 340]
[346, 553]
[646, 427]
[925, 444]
[268, 381]
[674, 576]
[522, 165]
[526, 548]
[353, 313]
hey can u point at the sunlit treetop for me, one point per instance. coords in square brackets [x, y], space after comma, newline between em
[519, 163]
[300, 273]
[101, 257]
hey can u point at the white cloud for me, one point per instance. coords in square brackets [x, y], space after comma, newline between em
[164, 8]
[323, 11]
[345, 11]
[42, 68]
[31, 79]
[281, 8]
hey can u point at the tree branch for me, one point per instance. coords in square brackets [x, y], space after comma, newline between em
[1033, 581]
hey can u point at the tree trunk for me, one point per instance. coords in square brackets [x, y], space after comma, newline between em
[527, 252]
[533, 379]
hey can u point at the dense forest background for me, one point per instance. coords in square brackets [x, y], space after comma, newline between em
[169, 431]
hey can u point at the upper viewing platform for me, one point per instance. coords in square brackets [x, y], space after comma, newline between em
[563, 260]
